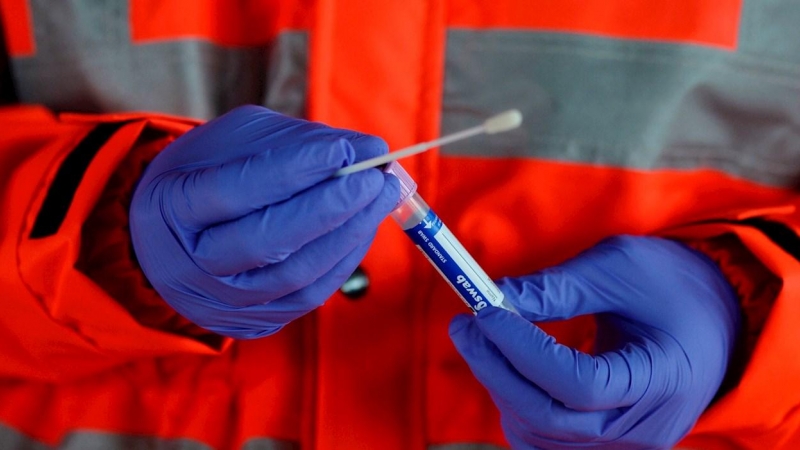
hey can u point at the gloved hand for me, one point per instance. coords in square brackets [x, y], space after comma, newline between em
[239, 227]
[667, 322]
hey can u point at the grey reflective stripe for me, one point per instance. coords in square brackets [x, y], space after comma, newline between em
[625, 103]
[769, 28]
[11, 439]
[287, 76]
[7, 92]
[85, 61]
[465, 446]
[269, 444]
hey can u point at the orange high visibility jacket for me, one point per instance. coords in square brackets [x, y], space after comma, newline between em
[679, 119]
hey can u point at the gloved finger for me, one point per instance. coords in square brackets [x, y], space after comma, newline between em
[311, 261]
[517, 397]
[254, 126]
[271, 235]
[366, 146]
[224, 192]
[553, 294]
[261, 320]
[581, 381]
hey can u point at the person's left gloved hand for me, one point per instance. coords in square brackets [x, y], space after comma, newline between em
[667, 323]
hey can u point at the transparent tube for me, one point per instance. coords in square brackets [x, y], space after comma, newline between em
[443, 250]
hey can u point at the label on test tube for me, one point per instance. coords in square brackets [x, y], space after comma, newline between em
[453, 262]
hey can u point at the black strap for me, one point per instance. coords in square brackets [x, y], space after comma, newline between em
[7, 91]
[62, 191]
[780, 234]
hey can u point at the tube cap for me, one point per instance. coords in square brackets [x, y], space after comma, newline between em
[407, 184]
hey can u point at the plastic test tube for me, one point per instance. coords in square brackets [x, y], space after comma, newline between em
[442, 249]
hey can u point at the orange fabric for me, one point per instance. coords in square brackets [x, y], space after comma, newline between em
[75, 358]
[249, 390]
[386, 408]
[762, 410]
[39, 274]
[223, 22]
[15, 22]
[106, 254]
[702, 22]
[404, 87]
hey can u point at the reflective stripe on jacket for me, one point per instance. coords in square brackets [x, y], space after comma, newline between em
[682, 120]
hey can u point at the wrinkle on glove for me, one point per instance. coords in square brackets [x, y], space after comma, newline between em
[667, 324]
[240, 228]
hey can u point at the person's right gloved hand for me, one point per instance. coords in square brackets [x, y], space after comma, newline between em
[667, 324]
[239, 227]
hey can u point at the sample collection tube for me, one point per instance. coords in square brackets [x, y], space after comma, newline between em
[442, 249]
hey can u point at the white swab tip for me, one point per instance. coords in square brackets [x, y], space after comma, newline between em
[503, 122]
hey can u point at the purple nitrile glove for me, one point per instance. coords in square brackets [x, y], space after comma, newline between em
[239, 227]
[667, 323]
